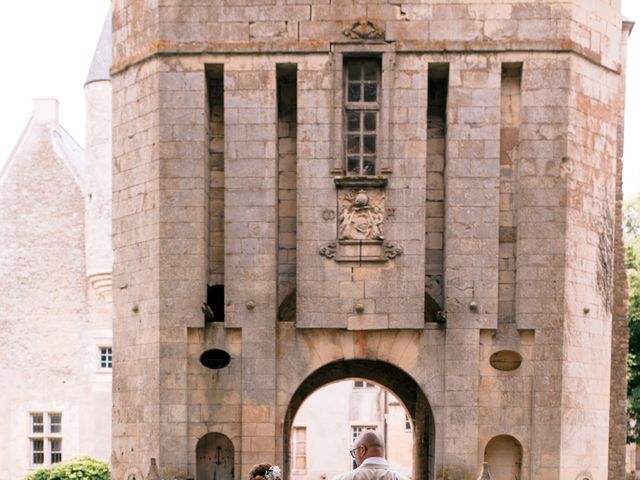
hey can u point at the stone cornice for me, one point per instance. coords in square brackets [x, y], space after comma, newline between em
[165, 48]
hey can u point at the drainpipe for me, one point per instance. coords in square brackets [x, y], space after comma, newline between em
[386, 412]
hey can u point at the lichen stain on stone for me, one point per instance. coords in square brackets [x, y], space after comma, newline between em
[604, 280]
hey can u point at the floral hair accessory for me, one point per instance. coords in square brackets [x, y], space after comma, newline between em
[273, 473]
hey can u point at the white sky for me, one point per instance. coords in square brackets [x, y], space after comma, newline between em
[46, 47]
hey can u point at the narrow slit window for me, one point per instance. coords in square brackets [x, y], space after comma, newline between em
[362, 115]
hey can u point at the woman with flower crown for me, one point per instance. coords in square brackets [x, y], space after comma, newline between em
[265, 471]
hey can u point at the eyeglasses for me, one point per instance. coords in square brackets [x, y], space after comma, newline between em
[353, 450]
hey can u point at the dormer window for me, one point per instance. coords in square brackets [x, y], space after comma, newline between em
[362, 115]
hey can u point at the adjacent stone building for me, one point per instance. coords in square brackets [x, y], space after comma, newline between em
[55, 286]
[417, 193]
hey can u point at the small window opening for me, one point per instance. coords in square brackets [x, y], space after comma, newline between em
[215, 304]
[106, 357]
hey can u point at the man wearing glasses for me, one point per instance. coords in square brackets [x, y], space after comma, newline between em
[368, 452]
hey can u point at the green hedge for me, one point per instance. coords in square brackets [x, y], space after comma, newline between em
[80, 468]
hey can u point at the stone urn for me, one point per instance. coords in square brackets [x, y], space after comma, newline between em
[484, 474]
[153, 471]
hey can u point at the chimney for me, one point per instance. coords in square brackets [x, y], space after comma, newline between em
[45, 110]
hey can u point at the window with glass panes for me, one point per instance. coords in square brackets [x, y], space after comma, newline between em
[55, 422]
[363, 384]
[106, 357]
[37, 449]
[362, 115]
[55, 449]
[45, 438]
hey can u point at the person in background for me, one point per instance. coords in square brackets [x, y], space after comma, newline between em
[368, 452]
[265, 471]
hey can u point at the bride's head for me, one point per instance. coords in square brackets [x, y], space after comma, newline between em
[265, 471]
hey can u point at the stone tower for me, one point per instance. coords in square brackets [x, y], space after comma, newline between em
[421, 194]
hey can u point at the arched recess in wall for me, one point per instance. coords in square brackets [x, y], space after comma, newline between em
[214, 457]
[403, 386]
[504, 456]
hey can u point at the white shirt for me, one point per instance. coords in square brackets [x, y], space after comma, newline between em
[372, 468]
[375, 461]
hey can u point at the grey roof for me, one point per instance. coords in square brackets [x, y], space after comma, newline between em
[101, 63]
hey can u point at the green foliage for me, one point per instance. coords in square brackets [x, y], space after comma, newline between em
[632, 257]
[80, 468]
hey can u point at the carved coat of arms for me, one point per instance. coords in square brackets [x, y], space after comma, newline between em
[361, 215]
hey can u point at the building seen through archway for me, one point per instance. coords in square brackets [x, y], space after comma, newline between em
[330, 419]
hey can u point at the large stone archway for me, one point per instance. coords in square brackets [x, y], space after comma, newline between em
[403, 386]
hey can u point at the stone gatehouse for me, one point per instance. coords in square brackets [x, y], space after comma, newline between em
[423, 194]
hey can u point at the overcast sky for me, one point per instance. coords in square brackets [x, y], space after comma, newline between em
[46, 48]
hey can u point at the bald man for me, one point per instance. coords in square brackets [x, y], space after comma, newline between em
[368, 452]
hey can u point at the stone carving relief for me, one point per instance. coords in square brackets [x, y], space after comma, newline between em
[364, 29]
[361, 215]
[392, 250]
[329, 250]
[360, 218]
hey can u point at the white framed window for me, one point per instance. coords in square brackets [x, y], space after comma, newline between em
[106, 358]
[407, 423]
[45, 438]
[299, 449]
[361, 115]
[363, 384]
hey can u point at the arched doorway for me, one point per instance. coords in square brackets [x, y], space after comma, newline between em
[214, 457]
[400, 383]
[504, 456]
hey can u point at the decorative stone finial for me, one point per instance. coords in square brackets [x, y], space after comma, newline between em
[153, 471]
[328, 250]
[485, 475]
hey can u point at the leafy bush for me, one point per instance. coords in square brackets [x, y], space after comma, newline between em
[80, 468]
[632, 257]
